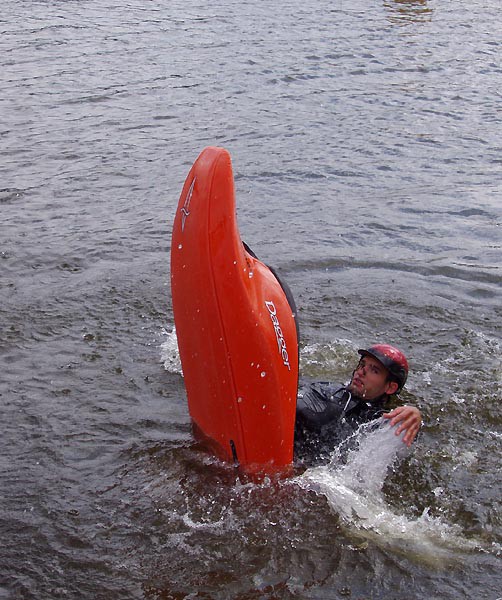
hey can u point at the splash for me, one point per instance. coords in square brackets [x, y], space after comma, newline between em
[353, 490]
[169, 354]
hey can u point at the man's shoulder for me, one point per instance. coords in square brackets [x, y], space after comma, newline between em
[319, 403]
[324, 388]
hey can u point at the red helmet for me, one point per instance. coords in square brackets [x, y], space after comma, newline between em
[392, 359]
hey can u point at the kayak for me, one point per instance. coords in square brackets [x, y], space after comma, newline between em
[235, 324]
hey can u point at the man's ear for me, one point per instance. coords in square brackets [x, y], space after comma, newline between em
[392, 387]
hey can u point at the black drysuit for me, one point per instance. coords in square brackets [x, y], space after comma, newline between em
[326, 415]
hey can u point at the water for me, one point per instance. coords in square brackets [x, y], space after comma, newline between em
[353, 488]
[366, 147]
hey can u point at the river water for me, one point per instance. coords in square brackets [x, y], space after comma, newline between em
[365, 139]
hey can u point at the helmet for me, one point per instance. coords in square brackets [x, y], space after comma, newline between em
[392, 359]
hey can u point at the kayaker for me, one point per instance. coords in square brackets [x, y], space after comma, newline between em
[327, 414]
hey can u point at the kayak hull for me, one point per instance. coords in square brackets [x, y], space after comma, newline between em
[235, 326]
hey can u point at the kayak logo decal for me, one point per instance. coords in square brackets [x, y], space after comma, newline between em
[186, 205]
[281, 342]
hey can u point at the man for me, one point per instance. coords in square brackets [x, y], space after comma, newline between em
[326, 414]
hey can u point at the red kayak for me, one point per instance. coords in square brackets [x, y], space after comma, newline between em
[236, 328]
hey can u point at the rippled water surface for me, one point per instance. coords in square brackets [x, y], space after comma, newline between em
[365, 139]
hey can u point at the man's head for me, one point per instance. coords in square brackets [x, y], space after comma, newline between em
[382, 370]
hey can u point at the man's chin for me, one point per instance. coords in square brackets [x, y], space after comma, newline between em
[357, 390]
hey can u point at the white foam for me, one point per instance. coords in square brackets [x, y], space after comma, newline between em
[169, 353]
[354, 491]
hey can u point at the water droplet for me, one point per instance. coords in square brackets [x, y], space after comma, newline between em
[180, 246]
[263, 374]
[239, 399]
[250, 274]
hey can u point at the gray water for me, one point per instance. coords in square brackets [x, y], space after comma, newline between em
[365, 138]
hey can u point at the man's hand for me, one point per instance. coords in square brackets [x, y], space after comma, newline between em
[406, 417]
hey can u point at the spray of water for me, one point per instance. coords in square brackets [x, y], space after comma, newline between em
[353, 489]
[169, 353]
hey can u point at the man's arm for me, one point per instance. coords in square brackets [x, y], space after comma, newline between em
[406, 417]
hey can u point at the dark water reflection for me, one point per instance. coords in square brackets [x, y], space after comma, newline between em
[408, 11]
[366, 148]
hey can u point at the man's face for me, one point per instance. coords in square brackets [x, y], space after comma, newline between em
[369, 380]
